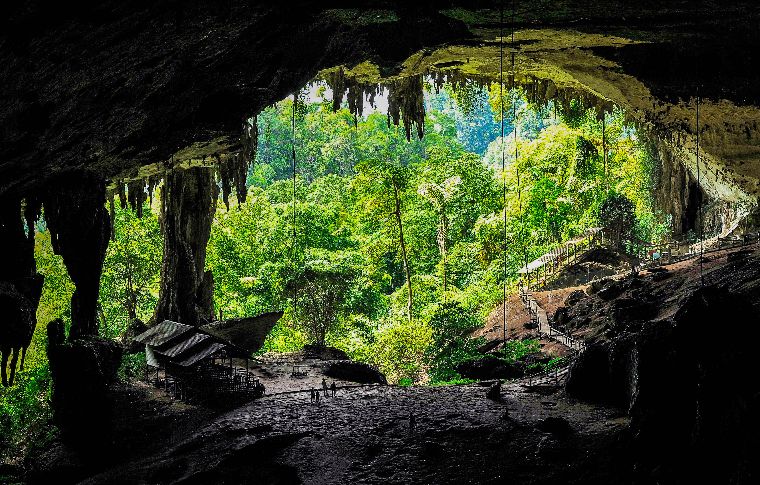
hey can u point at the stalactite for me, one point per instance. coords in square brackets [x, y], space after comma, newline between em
[355, 92]
[80, 229]
[122, 194]
[137, 196]
[232, 171]
[153, 182]
[336, 79]
[406, 102]
[112, 212]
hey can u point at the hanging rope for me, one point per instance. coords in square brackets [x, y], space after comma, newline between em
[514, 131]
[700, 220]
[503, 170]
[604, 151]
[293, 169]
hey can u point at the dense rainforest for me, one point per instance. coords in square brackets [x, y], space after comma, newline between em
[391, 250]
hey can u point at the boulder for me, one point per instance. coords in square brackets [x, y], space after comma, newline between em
[348, 370]
[611, 290]
[551, 449]
[556, 426]
[575, 297]
[561, 317]
[312, 351]
[494, 391]
[83, 371]
[489, 368]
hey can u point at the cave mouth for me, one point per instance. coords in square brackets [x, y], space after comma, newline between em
[303, 234]
[439, 171]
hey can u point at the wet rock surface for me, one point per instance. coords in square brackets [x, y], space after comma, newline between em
[83, 371]
[663, 358]
[354, 371]
[364, 436]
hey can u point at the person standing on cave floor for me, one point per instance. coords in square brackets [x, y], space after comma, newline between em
[324, 386]
[316, 397]
[312, 395]
[411, 422]
[333, 388]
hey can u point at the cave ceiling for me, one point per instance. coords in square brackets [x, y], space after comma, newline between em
[129, 89]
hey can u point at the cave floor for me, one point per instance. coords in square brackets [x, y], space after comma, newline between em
[363, 435]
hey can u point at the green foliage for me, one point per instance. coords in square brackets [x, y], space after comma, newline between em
[132, 367]
[400, 349]
[284, 338]
[130, 280]
[320, 293]
[25, 412]
[515, 350]
[452, 344]
[617, 215]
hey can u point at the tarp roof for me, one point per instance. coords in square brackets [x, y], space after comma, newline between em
[201, 354]
[186, 345]
[189, 344]
[246, 333]
[162, 333]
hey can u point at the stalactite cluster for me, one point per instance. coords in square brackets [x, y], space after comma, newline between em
[406, 102]
[406, 94]
[353, 90]
[232, 172]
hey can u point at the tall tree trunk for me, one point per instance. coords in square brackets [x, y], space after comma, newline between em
[403, 250]
[188, 203]
[442, 234]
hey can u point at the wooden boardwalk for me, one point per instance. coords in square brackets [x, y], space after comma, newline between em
[540, 318]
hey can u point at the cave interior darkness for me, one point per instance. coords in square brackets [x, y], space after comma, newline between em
[107, 101]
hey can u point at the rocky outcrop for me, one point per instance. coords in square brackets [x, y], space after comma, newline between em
[489, 368]
[348, 370]
[83, 370]
[16, 330]
[492, 367]
[20, 284]
[684, 389]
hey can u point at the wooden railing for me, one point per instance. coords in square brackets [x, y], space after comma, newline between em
[537, 273]
[542, 322]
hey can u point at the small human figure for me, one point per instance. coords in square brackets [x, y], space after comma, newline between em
[634, 268]
[411, 422]
[494, 392]
[333, 388]
[312, 395]
[324, 386]
[316, 397]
